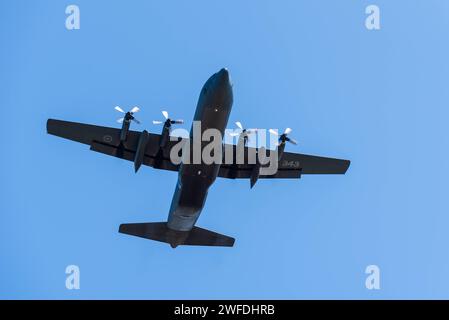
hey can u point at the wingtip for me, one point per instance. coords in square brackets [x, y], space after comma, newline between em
[347, 164]
[48, 124]
[51, 125]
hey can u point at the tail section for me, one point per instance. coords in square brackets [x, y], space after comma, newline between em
[159, 231]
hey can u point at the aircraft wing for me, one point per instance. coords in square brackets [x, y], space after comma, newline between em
[107, 140]
[291, 165]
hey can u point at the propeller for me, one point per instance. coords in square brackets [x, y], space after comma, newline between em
[283, 137]
[128, 115]
[244, 133]
[168, 122]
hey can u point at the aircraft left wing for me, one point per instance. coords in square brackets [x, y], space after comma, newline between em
[107, 140]
[291, 165]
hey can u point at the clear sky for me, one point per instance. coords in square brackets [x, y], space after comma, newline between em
[379, 98]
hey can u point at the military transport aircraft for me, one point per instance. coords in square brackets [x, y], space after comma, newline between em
[194, 179]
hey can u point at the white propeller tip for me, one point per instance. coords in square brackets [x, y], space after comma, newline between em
[165, 114]
[119, 109]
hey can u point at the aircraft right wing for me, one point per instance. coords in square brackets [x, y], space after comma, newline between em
[107, 140]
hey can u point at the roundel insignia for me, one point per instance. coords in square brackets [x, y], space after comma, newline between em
[107, 138]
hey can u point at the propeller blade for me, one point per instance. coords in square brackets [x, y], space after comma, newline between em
[135, 109]
[157, 122]
[239, 124]
[120, 120]
[272, 131]
[179, 121]
[293, 141]
[165, 114]
[287, 131]
[250, 131]
[136, 121]
[234, 134]
[119, 109]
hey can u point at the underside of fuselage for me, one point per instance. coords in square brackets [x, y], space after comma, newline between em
[212, 112]
[194, 178]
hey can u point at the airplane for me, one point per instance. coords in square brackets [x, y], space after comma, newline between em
[194, 179]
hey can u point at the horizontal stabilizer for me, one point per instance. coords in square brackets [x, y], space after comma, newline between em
[159, 231]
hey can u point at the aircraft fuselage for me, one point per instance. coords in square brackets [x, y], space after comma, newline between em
[213, 109]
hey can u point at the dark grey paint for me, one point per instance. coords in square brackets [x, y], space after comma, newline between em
[194, 180]
[213, 109]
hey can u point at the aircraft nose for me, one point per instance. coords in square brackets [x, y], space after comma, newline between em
[224, 71]
[223, 75]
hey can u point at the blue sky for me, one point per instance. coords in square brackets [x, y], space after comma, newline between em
[378, 98]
